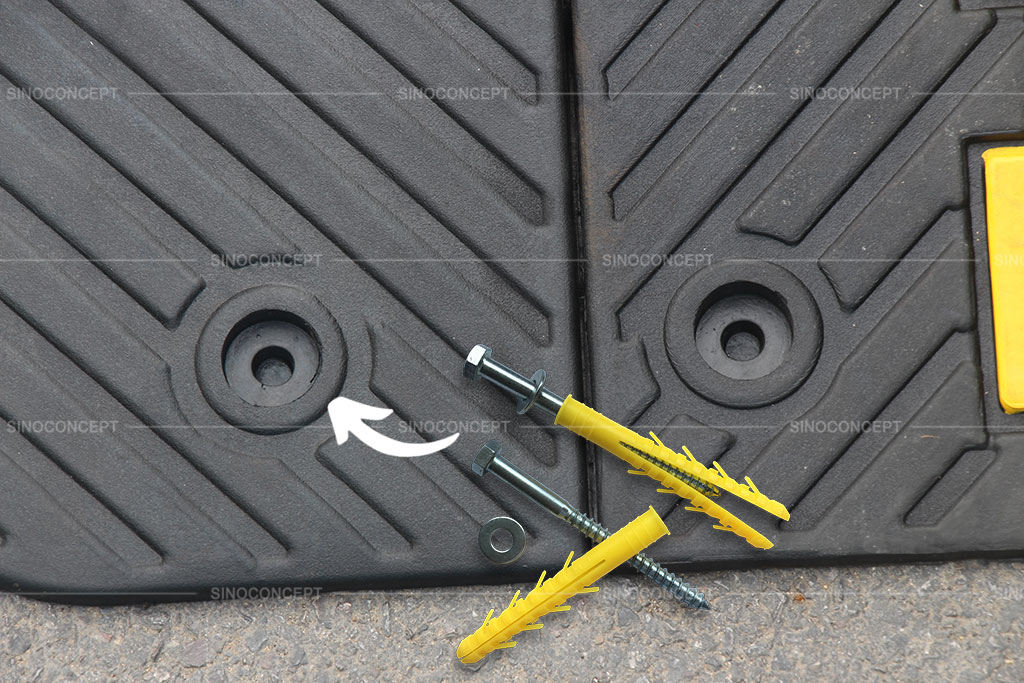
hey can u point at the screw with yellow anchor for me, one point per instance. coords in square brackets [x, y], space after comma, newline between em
[678, 473]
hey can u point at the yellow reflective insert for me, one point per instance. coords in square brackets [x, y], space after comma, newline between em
[1004, 194]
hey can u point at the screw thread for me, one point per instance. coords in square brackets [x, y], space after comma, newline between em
[701, 486]
[679, 589]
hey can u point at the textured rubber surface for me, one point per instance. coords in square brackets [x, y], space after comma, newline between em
[809, 167]
[136, 225]
[839, 141]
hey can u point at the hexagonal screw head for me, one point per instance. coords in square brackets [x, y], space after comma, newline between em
[476, 357]
[485, 456]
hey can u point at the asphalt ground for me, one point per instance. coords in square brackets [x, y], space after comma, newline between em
[956, 621]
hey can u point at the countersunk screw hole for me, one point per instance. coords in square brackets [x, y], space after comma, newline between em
[742, 340]
[273, 366]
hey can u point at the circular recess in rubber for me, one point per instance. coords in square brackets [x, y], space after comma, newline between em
[270, 359]
[743, 334]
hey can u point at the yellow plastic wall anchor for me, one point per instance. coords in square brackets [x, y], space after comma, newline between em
[575, 577]
[1004, 196]
[649, 456]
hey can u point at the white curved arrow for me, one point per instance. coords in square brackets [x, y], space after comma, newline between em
[347, 418]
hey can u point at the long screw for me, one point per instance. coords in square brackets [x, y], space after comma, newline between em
[532, 393]
[489, 459]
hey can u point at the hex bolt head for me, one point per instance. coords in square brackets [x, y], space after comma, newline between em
[476, 358]
[486, 455]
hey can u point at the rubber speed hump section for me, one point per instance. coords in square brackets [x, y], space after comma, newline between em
[215, 218]
[785, 225]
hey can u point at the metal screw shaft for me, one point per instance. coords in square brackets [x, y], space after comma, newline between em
[489, 460]
[530, 392]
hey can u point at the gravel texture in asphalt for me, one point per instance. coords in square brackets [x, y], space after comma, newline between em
[960, 621]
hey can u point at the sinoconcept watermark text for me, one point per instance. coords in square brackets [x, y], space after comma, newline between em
[61, 426]
[453, 426]
[263, 592]
[440, 92]
[62, 93]
[845, 426]
[635, 260]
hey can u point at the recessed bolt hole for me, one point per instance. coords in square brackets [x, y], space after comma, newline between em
[501, 540]
[743, 330]
[271, 358]
[273, 366]
[743, 340]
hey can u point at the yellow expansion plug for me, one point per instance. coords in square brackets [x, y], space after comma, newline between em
[575, 577]
[679, 474]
